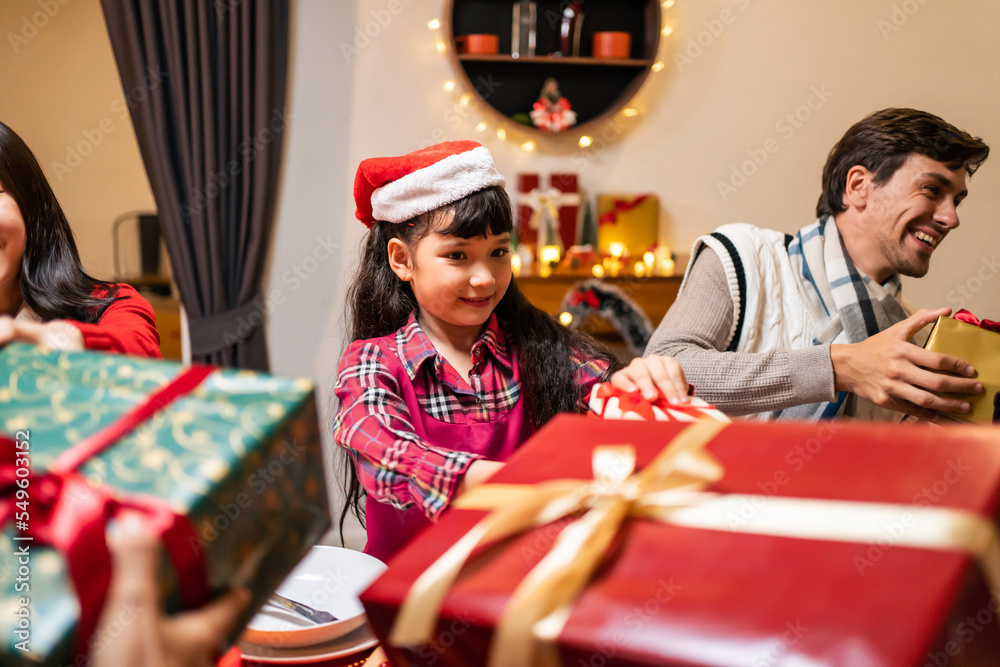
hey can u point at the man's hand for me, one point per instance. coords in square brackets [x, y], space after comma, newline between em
[654, 375]
[893, 373]
[56, 335]
[134, 632]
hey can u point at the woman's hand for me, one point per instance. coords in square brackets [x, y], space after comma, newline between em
[654, 375]
[134, 632]
[56, 335]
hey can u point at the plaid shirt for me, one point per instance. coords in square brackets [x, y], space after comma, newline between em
[397, 466]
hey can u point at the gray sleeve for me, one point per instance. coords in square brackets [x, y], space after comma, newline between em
[696, 330]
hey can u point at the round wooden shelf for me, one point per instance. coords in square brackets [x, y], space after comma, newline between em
[597, 88]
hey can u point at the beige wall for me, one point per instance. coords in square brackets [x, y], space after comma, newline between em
[59, 90]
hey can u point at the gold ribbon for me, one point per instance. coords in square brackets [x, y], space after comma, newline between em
[669, 490]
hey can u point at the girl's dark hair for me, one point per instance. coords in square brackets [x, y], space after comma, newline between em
[52, 280]
[881, 143]
[379, 303]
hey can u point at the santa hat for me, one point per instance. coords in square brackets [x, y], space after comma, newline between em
[396, 189]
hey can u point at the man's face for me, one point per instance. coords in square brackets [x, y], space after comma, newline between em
[912, 212]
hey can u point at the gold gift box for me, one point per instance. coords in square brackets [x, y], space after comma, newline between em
[638, 228]
[981, 348]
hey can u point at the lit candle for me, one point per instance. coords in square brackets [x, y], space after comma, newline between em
[639, 269]
[667, 267]
[515, 264]
[648, 258]
[597, 270]
[617, 249]
[549, 254]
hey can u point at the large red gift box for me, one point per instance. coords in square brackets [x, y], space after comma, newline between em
[670, 594]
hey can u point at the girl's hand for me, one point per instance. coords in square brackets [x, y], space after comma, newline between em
[654, 375]
[476, 474]
[56, 335]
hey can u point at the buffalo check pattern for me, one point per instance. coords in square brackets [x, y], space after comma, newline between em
[373, 423]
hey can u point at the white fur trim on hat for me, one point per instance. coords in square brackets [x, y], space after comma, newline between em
[436, 185]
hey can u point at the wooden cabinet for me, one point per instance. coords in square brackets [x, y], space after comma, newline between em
[595, 87]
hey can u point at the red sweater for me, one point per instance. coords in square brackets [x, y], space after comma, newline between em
[128, 326]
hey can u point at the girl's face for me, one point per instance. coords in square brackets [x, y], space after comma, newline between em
[457, 282]
[12, 238]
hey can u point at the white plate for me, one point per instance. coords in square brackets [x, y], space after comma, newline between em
[342, 647]
[327, 579]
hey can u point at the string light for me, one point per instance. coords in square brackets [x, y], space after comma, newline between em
[501, 134]
[441, 46]
[481, 127]
[566, 318]
[435, 24]
[667, 4]
[465, 100]
[449, 86]
[585, 141]
[630, 112]
[528, 146]
[667, 30]
[658, 66]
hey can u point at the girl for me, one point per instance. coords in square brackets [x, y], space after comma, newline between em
[450, 368]
[45, 295]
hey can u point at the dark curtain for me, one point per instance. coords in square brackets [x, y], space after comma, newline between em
[205, 85]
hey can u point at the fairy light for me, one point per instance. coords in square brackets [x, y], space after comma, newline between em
[658, 66]
[441, 46]
[630, 112]
[434, 24]
[617, 249]
[566, 318]
[528, 146]
[667, 4]
[501, 134]
[481, 127]
[464, 100]
[449, 86]
[667, 30]
[585, 141]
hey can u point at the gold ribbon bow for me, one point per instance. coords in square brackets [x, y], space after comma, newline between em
[669, 490]
[545, 205]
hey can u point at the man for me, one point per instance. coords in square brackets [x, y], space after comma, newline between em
[812, 326]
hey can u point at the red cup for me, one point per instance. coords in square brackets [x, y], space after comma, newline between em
[483, 45]
[612, 45]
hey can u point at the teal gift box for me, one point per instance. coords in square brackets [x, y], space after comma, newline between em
[226, 465]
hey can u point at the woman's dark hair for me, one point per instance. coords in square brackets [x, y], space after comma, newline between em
[379, 303]
[52, 280]
[881, 143]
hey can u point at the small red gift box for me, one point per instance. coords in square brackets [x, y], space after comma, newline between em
[819, 543]
[557, 206]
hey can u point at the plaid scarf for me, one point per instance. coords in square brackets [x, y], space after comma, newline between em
[846, 306]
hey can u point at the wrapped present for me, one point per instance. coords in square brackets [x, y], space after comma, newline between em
[609, 402]
[738, 544]
[977, 342]
[633, 220]
[548, 216]
[225, 466]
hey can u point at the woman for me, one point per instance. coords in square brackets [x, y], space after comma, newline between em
[45, 295]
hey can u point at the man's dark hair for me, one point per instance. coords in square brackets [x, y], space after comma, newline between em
[881, 143]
